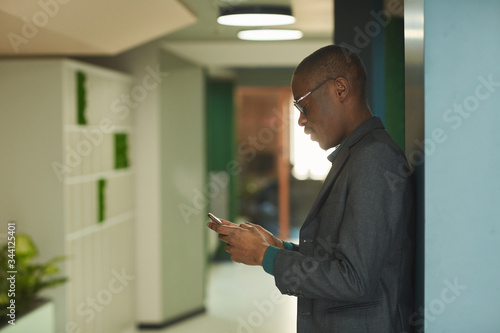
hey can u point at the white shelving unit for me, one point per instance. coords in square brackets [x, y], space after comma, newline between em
[54, 167]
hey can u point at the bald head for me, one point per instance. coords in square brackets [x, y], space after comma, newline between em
[333, 61]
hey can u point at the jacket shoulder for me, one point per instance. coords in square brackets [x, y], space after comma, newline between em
[377, 147]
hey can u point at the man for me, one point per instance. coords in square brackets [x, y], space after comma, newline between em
[352, 270]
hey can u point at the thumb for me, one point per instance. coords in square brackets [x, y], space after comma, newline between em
[246, 225]
[253, 225]
[226, 222]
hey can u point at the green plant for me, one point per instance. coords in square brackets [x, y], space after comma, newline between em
[30, 278]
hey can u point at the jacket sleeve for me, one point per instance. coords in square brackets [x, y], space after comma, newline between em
[290, 246]
[373, 212]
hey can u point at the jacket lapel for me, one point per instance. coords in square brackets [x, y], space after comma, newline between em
[339, 162]
[337, 166]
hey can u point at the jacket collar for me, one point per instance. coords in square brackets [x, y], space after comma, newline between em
[338, 159]
[366, 127]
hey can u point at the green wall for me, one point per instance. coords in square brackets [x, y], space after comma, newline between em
[220, 132]
[395, 80]
[379, 41]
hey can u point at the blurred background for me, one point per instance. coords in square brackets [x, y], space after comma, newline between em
[123, 123]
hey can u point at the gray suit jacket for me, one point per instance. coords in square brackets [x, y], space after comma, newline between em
[353, 268]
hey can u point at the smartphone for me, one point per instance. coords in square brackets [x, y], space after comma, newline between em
[215, 219]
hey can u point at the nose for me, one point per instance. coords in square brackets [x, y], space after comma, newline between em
[302, 119]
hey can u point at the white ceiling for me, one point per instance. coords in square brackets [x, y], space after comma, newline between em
[216, 54]
[110, 27]
[86, 27]
[314, 18]
[216, 46]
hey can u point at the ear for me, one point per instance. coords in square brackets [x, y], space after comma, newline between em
[342, 88]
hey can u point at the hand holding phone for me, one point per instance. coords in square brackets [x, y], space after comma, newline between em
[215, 219]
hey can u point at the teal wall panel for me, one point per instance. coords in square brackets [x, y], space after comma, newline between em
[462, 149]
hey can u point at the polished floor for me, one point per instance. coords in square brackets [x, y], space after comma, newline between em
[241, 299]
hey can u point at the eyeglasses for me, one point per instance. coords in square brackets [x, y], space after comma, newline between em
[296, 102]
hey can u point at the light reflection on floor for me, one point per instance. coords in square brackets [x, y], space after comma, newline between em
[241, 299]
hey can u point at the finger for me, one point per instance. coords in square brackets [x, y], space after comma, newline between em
[234, 258]
[217, 227]
[227, 248]
[210, 225]
[246, 226]
[252, 227]
[224, 238]
[228, 229]
[258, 227]
[214, 226]
[226, 222]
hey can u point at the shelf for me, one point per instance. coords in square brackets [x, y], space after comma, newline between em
[109, 223]
[82, 128]
[99, 175]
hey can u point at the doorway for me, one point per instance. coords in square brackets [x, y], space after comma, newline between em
[262, 122]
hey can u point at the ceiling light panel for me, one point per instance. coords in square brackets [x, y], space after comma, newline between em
[253, 16]
[270, 34]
